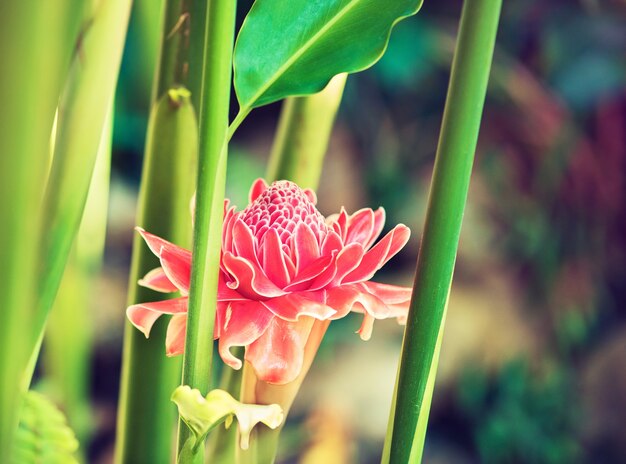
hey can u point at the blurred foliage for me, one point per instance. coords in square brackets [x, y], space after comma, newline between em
[43, 435]
[517, 416]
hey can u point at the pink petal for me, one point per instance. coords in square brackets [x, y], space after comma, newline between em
[243, 242]
[175, 337]
[305, 245]
[277, 356]
[348, 260]
[157, 243]
[376, 257]
[176, 264]
[274, 263]
[292, 306]
[339, 223]
[320, 266]
[249, 281]
[258, 187]
[244, 323]
[310, 194]
[332, 242]
[360, 227]
[144, 315]
[227, 227]
[390, 294]
[365, 331]
[379, 222]
[348, 298]
[225, 293]
[157, 280]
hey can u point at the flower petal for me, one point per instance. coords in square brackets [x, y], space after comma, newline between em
[310, 194]
[277, 356]
[390, 294]
[157, 280]
[292, 306]
[157, 243]
[176, 264]
[320, 266]
[250, 281]
[376, 257]
[175, 337]
[347, 261]
[258, 187]
[244, 323]
[306, 247]
[379, 222]
[360, 227]
[274, 263]
[243, 242]
[144, 315]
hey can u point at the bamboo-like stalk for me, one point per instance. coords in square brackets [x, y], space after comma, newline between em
[213, 152]
[435, 264]
[146, 417]
[303, 134]
[83, 109]
[35, 40]
[67, 358]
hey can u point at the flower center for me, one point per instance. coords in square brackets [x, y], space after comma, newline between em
[281, 207]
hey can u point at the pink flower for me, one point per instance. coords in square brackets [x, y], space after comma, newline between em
[283, 266]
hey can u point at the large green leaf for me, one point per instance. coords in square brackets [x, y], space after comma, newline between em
[43, 435]
[296, 47]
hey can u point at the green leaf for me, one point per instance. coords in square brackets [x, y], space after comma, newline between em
[203, 414]
[296, 47]
[43, 434]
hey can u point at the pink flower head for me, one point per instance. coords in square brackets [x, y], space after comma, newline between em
[283, 266]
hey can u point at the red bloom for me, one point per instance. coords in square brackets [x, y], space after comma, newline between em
[283, 266]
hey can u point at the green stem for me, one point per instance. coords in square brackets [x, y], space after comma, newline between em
[36, 40]
[213, 150]
[146, 417]
[448, 194]
[303, 134]
[83, 109]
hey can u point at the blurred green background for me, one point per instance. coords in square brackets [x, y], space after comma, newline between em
[533, 364]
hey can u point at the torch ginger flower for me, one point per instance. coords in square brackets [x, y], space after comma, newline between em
[283, 266]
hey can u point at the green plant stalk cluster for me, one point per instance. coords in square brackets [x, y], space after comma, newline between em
[146, 417]
[448, 194]
[66, 359]
[83, 108]
[213, 152]
[35, 40]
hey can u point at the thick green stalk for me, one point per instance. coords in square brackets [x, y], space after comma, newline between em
[213, 151]
[303, 134]
[67, 358]
[36, 40]
[83, 109]
[146, 417]
[448, 194]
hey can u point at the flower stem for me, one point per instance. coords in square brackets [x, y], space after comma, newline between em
[303, 134]
[448, 194]
[213, 150]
